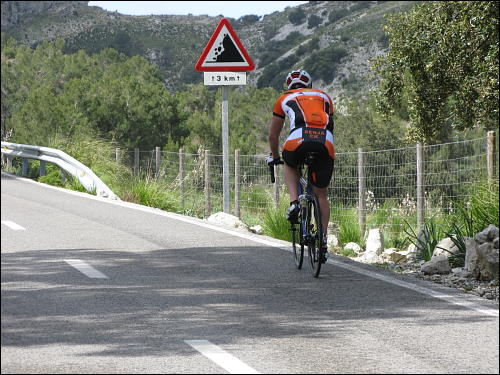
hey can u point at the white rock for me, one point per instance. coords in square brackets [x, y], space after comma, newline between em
[256, 229]
[332, 241]
[375, 242]
[227, 220]
[354, 247]
[372, 258]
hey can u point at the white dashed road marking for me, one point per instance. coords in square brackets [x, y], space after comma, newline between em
[12, 225]
[222, 358]
[86, 269]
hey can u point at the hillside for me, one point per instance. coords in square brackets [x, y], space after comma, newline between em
[333, 39]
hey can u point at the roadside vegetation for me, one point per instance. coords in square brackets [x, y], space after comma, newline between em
[89, 104]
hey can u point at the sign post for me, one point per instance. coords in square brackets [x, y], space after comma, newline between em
[225, 149]
[224, 62]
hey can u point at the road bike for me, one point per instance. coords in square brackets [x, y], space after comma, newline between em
[308, 231]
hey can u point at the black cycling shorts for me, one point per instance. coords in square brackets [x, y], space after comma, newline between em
[322, 169]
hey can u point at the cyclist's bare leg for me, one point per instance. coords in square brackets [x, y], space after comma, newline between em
[292, 181]
[324, 206]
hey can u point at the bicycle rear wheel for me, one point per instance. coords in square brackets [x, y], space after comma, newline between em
[298, 247]
[315, 236]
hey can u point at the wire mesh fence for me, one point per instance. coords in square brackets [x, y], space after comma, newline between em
[375, 189]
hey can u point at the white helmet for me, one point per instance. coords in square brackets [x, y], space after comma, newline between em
[298, 76]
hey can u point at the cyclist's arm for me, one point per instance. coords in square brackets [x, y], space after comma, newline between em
[274, 135]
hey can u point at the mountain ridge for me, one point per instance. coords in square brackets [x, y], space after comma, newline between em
[334, 41]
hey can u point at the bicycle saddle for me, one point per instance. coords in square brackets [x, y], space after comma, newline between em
[310, 158]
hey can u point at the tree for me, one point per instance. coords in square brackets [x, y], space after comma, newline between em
[323, 64]
[297, 16]
[249, 19]
[358, 124]
[313, 21]
[443, 66]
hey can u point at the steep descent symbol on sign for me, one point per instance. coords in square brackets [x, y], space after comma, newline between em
[228, 52]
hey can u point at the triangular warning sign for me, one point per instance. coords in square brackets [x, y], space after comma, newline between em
[224, 51]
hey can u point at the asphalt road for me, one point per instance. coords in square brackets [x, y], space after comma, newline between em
[93, 286]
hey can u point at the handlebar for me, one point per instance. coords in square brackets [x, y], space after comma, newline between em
[271, 170]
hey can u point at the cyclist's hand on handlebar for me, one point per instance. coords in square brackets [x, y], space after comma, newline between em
[272, 161]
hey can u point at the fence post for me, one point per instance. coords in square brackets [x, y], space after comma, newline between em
[157, 162]
[237, 183]
[42, 170]
[208, 207]
[361, 192]
[490, 155]
[181, 176]
[136, 161]
[117, 154]
[26, 167]
[277, 186]
[420, 187]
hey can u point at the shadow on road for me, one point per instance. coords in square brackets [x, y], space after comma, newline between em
[154, 299]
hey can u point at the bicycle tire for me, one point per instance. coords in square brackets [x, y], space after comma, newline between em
[298, 247]
[315, 230]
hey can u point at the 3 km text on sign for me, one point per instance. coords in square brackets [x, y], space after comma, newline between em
[225, 78]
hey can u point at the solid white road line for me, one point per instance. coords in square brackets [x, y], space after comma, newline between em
[416, 288]
[12, 225]
[86, 269]
[225, 360]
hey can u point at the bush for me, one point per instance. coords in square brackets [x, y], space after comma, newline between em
[347, 220]
[347, 253]
[248, 19]
[483, 206]
[149, 193]
[297, 16]
[336, 15]
[53, 177]
[310, 46]
[275, 223]
[457, 236]
[324, 63]
[255, 196]
[427, 239]
[313, 21]
[272, 77]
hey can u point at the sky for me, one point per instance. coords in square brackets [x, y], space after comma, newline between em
[233, 9]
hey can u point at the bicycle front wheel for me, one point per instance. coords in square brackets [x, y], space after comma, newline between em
[315, 235]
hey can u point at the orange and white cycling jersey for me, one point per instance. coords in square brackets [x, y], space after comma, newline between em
[306, 108]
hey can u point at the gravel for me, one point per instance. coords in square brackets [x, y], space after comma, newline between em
[459, 279]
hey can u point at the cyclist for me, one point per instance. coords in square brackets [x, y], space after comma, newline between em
[310, 112]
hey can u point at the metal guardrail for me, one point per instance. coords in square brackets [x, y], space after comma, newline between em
[70, 165]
